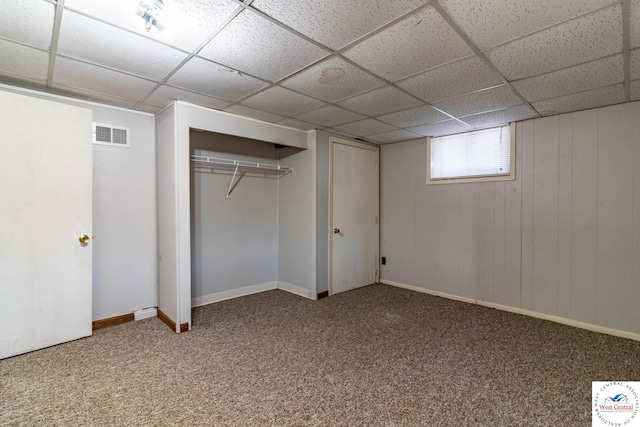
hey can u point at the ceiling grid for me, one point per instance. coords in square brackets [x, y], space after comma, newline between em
[626, 42]
[191, 55]
[371, 69]
[479, 53]
[53, 51]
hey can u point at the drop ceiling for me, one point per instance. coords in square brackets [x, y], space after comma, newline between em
[383, 71]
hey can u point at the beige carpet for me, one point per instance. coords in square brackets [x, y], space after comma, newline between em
[374, 356]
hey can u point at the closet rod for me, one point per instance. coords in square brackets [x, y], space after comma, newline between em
[235, 165]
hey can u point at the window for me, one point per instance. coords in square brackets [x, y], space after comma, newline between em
[483, 155]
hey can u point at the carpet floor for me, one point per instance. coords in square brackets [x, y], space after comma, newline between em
[376, 356]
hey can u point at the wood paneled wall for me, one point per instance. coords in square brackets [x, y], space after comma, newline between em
[563, 239]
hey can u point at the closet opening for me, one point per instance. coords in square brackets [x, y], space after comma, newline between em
[234, 194]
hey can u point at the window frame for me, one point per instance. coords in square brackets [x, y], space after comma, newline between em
[486, 178]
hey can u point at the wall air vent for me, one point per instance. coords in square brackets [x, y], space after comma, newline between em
[115, 136]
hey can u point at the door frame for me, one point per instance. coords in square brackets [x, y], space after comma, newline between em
[336, 140]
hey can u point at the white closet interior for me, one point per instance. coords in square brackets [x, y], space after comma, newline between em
[264, 236]
[234, 214]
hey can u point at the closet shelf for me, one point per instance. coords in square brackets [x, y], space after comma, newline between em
[241, 165]
[215, 163]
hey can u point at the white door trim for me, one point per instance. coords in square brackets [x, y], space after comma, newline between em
[336, 140]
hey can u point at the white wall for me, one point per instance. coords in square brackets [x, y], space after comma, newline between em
[166, 159]
[124, 217]
[322, 211]
[234, 241]
[124, 223]
[562, 240]
[297, 221]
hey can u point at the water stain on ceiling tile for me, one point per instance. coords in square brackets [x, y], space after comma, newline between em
[331, 76]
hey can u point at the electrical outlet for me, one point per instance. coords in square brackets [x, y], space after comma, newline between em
[384, 260]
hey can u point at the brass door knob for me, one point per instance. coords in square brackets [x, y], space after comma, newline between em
[84, 239]
[336, 230]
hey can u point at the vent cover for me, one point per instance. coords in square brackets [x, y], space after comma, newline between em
[116, 136]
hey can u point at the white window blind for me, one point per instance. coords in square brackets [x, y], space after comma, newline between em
[483, 153]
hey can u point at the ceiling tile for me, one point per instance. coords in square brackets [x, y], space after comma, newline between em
[213, 79]
[335, 24]
[480, 102]
[296, 124]
[336, 132]
[498, 21]
[604, 72]
[241, 110]
[147, 108]
[501, 117]
[581, 101]
[450, 80]
[635, 24]
[164, 95]
[365, 127]
[584, 39]
[18, 60]
[448, 127]
[393, 136]
[256, 46]
[86, 77]
[339, 133]
[380, 101]
[25, 82]
[278, 100]
[634, 60]
[635, 90]
[420, 41]
[186, 23]
[330, 115]
[91, 96]
[414, 117]
[29, 22]
[331, 80]
[93, 41]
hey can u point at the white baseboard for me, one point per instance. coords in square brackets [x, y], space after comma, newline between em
[298, 290]
[233, 293]
[145, 313]
[517, 310]
[428, 291]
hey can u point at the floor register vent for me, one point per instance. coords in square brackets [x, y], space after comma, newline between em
[115, 136]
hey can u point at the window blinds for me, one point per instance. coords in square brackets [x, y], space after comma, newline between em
[473, 154]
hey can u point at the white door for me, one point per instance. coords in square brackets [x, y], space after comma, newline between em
[354, 246]
[45, 206]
